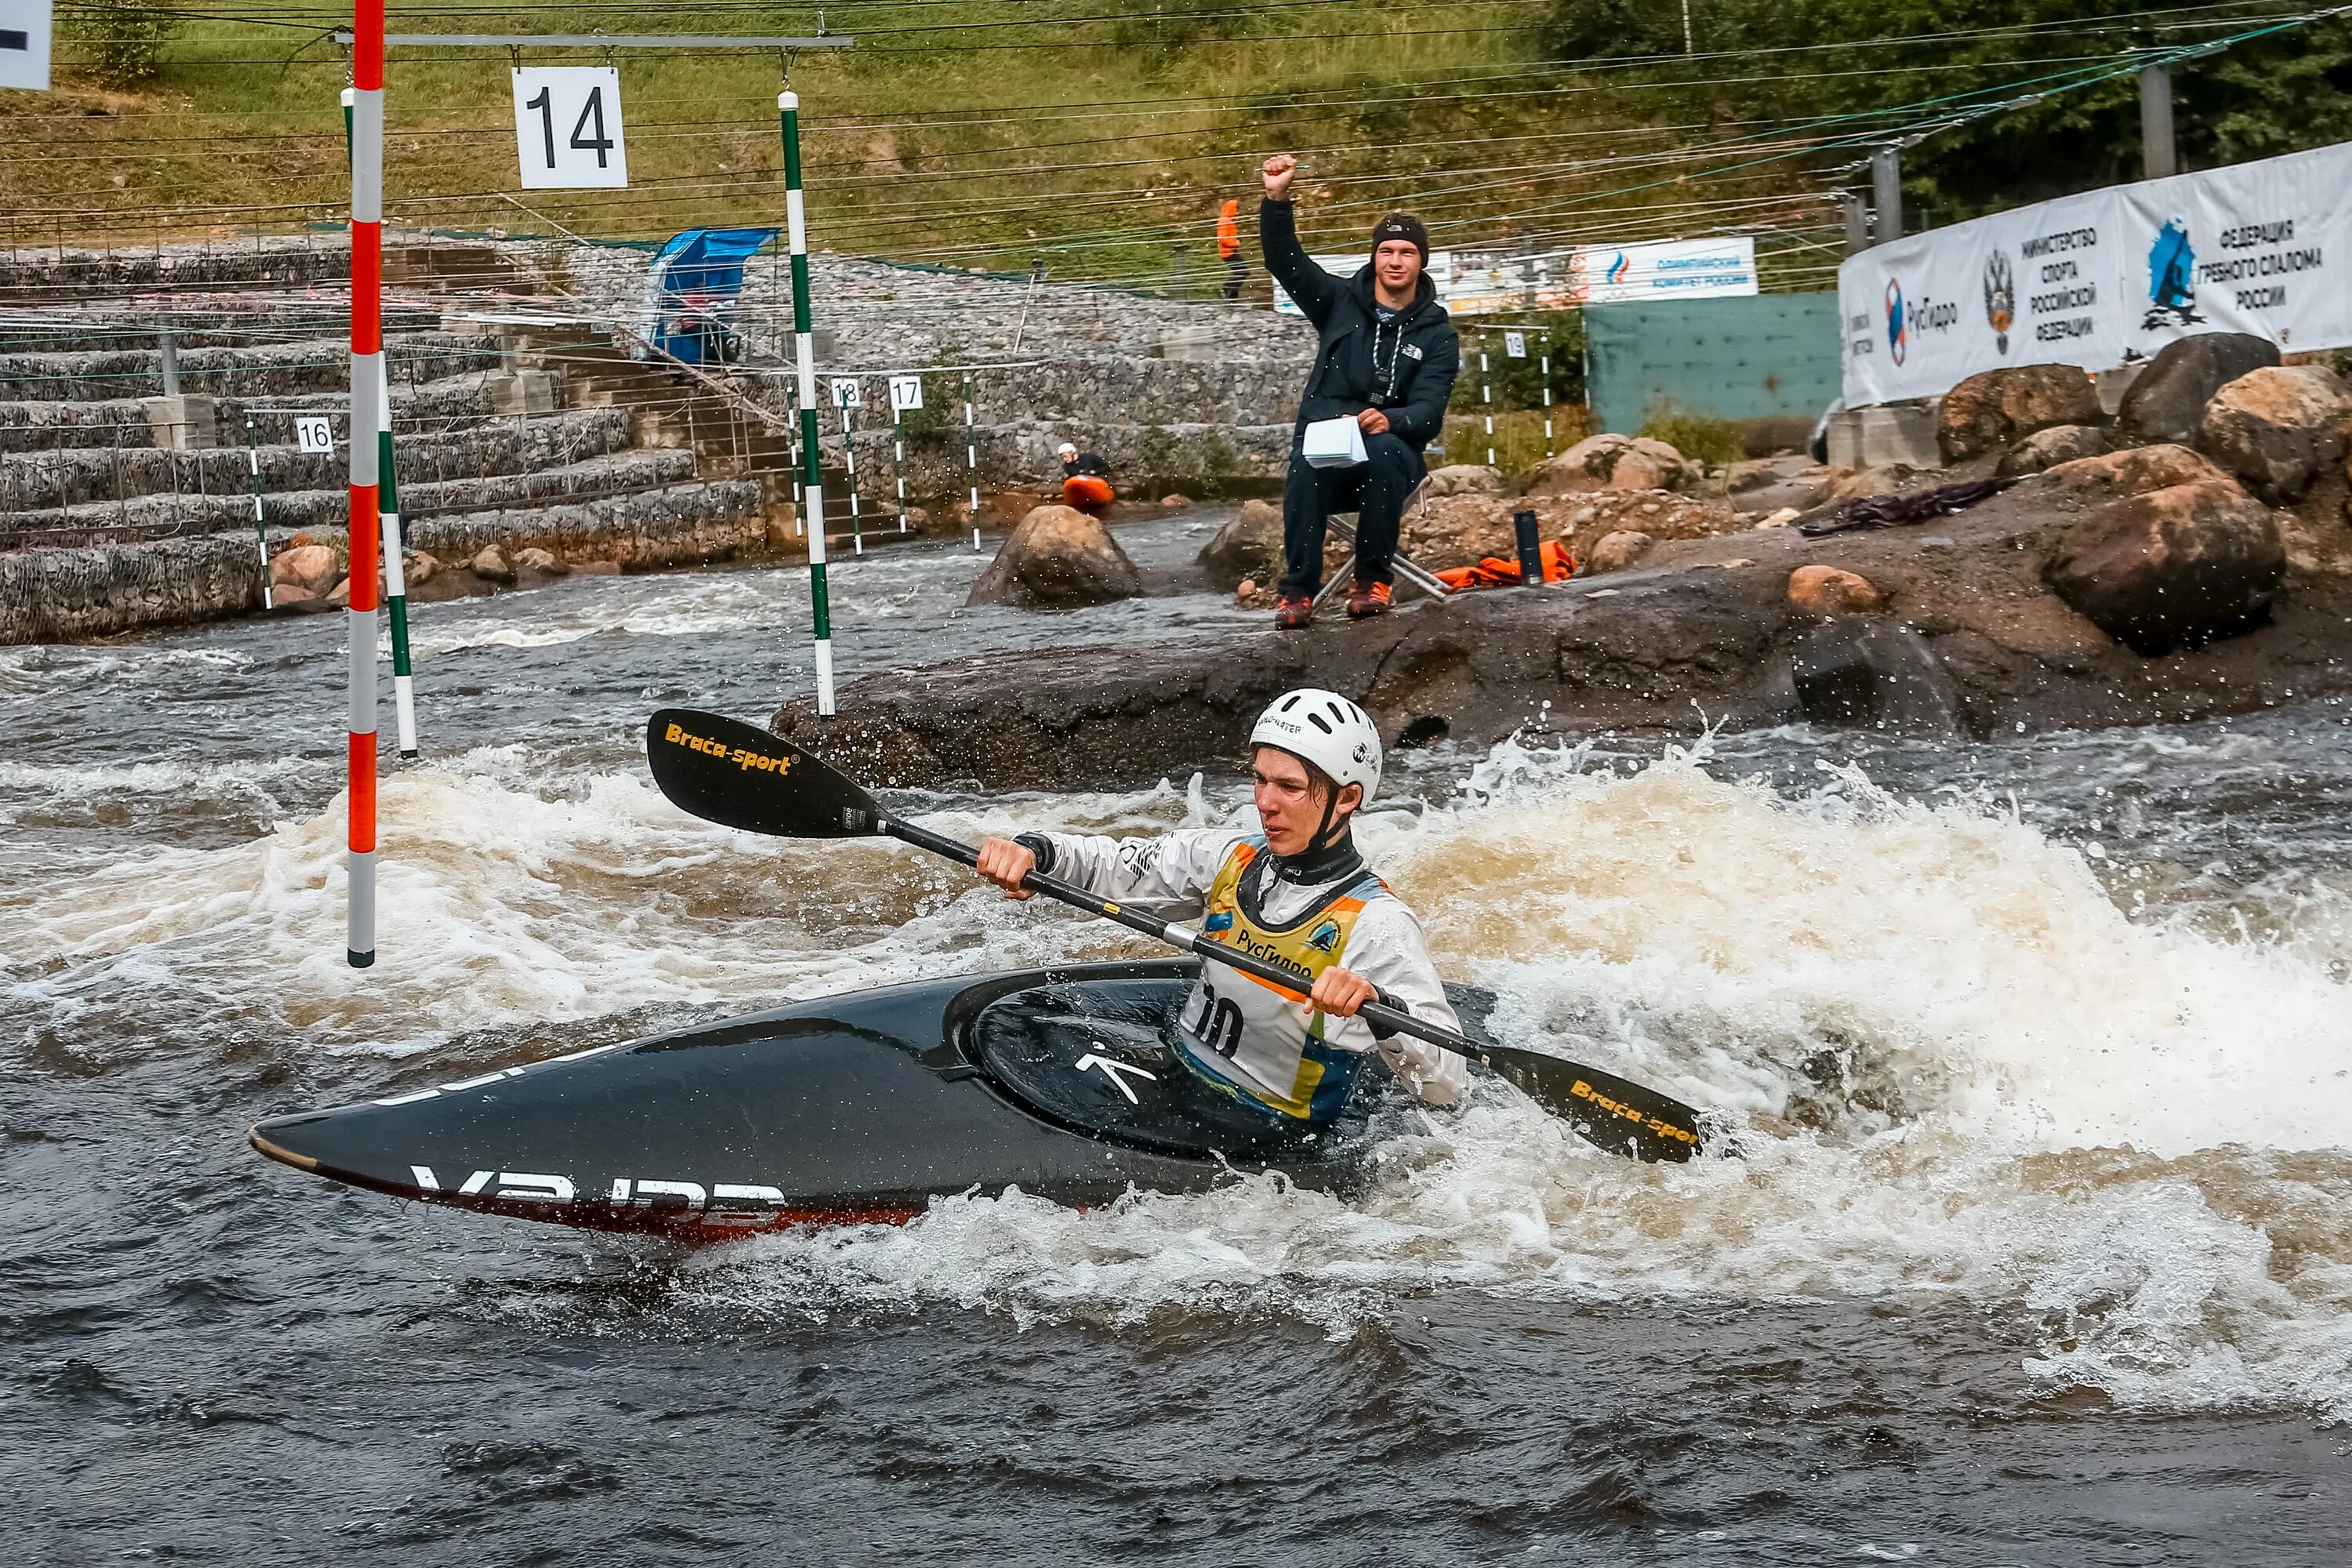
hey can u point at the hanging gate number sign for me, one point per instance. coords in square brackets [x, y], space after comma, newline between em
[568, 128]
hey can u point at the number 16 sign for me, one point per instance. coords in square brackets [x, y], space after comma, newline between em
[568, 128]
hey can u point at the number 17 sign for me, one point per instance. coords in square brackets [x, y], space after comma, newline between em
[568, 128]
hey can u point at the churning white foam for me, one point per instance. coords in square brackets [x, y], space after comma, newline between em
[1953, 1062]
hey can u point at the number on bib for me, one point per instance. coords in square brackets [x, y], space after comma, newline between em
[1219, 1028]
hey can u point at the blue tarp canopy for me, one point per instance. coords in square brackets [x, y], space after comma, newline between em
[691, 291]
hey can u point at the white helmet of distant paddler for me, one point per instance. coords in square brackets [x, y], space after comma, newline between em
[1327, 730]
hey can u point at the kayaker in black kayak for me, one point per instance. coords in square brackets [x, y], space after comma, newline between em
[1295, 893]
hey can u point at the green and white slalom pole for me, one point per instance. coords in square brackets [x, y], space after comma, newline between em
[788, 105]
[260, 535]
[395, 573]
[971, 461]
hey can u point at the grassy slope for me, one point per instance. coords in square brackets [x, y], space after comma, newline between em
[242, 129]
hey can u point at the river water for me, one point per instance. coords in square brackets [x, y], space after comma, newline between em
[2042, 1251]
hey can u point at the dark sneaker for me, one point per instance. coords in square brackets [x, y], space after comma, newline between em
[1292, 612]
[1366, 600]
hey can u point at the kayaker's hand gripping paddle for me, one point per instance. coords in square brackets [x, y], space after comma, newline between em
[725, 770]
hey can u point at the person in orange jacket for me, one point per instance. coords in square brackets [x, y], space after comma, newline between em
[1229, 247]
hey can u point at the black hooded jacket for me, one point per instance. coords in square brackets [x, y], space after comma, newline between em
[1405, 368]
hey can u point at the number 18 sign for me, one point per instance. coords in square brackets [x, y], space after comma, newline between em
[568, 128]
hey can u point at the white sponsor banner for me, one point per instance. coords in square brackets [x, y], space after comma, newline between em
[1481, 282]
[2106, 278]
[1661, 270]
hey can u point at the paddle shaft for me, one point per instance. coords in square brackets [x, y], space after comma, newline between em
[1386, 1015]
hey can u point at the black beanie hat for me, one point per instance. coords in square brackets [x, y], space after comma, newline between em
[1405, 227]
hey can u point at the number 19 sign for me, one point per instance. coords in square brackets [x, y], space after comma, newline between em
[568, 128]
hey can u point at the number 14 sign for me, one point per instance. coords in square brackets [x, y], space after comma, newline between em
[568, 128]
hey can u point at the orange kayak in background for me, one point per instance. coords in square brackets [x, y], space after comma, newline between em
[1087, 492]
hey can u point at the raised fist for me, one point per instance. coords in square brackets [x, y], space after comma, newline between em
[1278, 173]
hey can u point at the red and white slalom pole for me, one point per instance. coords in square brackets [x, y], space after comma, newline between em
[367, 419]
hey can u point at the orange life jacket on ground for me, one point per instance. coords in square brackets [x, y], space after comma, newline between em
[1495, 571]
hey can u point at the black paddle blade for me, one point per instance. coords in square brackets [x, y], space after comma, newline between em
[739, 776]
[1605, 1110]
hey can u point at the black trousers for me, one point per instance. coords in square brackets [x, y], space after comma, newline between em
[1375, 490]
[1236, 271]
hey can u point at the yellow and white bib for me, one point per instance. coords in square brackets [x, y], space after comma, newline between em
[1264, 1043]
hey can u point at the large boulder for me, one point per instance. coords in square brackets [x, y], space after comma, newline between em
[1615, 552]
[2167, 401]
[1248, 546]
[1612, 462]
[491, 565]
[310, 567]
[2048, 448]
[1057, 558]
[1464, 479]
[2133, 472]
[1993, 408]
[2277, 428]
[2180, 565]
[1817, 590]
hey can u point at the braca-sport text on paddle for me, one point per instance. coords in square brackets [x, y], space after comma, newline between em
[738, 776]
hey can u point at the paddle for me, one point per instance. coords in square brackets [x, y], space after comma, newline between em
[728, 772]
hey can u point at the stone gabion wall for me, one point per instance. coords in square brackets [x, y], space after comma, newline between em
[70, 596]
[316, 366]
[694, 522]
[29, 274]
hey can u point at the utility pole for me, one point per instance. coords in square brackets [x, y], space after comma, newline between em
[1886, 192]
[1857, 223]
[2158, 155]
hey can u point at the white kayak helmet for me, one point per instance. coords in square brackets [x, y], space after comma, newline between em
[1327, 730]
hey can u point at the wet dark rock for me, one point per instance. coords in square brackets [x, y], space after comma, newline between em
[1701, 632]
[1249, 546]
[1057, 558]
[2167, 401]
[2182, 565]
[1872, 675]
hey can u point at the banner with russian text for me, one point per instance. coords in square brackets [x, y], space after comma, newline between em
[2105, 279]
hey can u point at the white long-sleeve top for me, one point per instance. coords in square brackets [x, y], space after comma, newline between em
[1172, 874]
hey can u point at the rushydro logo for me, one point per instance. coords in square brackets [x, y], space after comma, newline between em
[1999, 297]
[1898, 330]
[2171, 279]
[1618, 269]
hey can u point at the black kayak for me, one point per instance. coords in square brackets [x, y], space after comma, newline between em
[852, 1109]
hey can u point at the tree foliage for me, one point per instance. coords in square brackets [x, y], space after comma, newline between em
[118, 44]
[2281, 93]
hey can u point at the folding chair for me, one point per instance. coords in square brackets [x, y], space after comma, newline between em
[1401, 563]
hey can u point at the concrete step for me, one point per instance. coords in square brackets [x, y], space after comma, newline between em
[46, 481]
[156, 515]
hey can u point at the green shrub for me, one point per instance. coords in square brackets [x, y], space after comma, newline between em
[1700, 436]
[118, 45]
